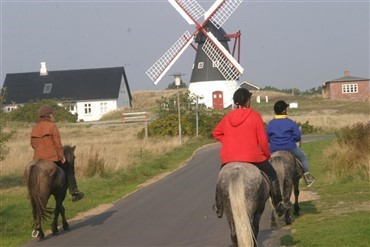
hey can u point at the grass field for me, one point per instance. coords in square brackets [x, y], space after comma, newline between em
[129, 161]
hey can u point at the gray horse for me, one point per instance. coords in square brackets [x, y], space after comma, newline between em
[289, 171]
[243, 191]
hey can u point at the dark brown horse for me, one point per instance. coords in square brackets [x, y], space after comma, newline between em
[44, 178]
[289, 172]
[243, 190]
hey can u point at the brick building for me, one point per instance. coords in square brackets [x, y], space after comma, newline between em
[347, 87]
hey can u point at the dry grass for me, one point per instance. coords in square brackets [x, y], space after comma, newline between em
[117, 146]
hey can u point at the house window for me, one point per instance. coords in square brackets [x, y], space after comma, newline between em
[47, 88]
[215, 64]
[200, 65]
[350, 88]
[103, 107]
[87, 108]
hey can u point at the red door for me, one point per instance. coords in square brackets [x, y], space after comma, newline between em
[218, 100]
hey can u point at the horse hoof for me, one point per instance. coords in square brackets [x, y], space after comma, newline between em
[38, 233]
[35, 233]
[66, 227]
[288, 221]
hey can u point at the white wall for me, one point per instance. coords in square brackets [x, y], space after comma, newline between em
[94, 110]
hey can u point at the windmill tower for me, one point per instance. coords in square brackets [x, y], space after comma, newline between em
[215, 70]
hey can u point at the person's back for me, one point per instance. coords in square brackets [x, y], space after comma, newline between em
[45, 140]
[232, 132]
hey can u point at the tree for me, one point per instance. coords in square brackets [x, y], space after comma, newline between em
[4, 135]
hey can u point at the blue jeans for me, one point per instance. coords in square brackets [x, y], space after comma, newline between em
[302, 157]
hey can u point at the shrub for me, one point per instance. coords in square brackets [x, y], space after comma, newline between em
[357, 135]
[306, 128]
[348, 158]
[95, 166]
[28, 112]
[168, 125]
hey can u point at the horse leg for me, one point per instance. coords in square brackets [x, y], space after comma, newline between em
[296, 194]
[287, 194]
[274, 223]
[64, 220]
[37, 231]
[54, 224]
[256, 225]
[233, 236]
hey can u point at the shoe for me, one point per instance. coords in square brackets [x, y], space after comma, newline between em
[77, 196]
[218, 211]
[309, 179]
[282, 208]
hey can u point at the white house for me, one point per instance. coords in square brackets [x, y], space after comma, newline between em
[88, 92]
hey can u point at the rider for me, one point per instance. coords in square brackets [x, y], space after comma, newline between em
[283, 134]
[47, 145]
[243, 137]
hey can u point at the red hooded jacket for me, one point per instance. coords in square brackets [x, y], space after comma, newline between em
[243, 137]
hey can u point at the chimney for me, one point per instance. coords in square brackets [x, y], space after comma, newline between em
[346, 73]
[43, 69]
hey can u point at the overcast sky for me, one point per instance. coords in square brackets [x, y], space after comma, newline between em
[284, 44]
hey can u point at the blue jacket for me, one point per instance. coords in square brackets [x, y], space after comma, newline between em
[283, 133]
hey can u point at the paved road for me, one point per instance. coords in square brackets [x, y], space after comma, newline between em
[175, 211]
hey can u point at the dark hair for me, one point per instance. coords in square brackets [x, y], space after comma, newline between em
[280, 107]
[241, 96]
[45, 110]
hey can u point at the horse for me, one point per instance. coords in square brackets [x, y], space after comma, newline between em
[289, 171]
[243, 190]
[44, 178]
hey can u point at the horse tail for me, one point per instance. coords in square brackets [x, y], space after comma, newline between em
[37, 197]
[238, 203]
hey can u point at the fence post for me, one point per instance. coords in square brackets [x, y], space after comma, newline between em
[136, 117]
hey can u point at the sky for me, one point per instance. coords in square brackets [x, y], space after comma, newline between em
[284, 44]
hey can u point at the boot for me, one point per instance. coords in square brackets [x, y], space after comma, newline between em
[72, 186]
[217, 207]
[309, 179]
[77, 195]
[280, 207]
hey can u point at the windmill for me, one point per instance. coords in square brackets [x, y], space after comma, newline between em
[215, 70]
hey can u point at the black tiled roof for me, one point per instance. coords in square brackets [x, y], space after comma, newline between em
[71, 85]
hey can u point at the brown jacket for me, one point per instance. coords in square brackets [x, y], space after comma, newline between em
[45, 140]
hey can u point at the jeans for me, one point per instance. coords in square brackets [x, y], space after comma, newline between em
[302, 157]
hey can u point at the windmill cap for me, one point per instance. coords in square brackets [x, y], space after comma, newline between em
[241, 96]
[280, 106]
[45, 110]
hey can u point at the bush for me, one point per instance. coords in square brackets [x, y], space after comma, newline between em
[168, 125]
[306, 128]
[357, 136]
[348, 158]
[28, 112]
[95, 166]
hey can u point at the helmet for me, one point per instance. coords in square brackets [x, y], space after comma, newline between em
[241, 96]
[280, 106]
[45, 110]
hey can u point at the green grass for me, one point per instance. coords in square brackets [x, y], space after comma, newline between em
[340, 217]
[15, 211]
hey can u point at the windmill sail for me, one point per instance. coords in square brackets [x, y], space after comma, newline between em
[164, 63]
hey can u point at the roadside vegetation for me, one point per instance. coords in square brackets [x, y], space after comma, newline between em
[113, 155]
